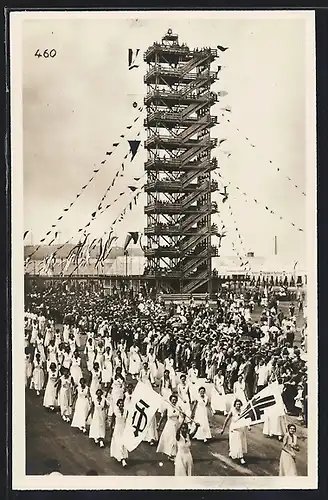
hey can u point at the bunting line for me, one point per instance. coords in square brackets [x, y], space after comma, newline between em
[85, 186]
[260, 203]
[253, 145]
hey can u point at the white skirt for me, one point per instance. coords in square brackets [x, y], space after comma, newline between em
[76, 373]
[201, 417]
[237, 443]
[82, 408]
[50, 398]
[37, 381]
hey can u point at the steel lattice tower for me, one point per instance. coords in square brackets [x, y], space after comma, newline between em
[179, 166]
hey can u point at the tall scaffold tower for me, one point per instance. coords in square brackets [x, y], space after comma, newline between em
[179, 165]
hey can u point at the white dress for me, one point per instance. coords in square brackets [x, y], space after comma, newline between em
[95, 382]
[37, 381]
[168, 442]
[184, 398]
[218, 396]
[107, 372]
[117, 448]
[153, 365]
[76, 372]
[82, 407]
[28, 368]
[201, 417]
[239, 392]
[65, 397]
[135, 361]
[50, 398]
[237, 437]
[98, 422]
[117, 391]
[193, 383]
[169, 365]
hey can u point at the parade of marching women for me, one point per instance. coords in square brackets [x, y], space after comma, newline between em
[86, 353]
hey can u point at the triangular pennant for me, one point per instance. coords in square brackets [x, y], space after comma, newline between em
[134, 146]
[93, 214]
[96, 171]
[108, 153]
[115, 144]
[102, 162]
[25, 234]
[133, 188]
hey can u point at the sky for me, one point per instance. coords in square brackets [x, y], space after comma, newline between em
[77, 104]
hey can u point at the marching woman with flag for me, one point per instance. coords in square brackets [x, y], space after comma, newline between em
[98, 423]
[239, 390]
[183, 464]
[118, 419]
[237, 437]
[287, 465]
[152, 363]
[168, 443]
[65, 385]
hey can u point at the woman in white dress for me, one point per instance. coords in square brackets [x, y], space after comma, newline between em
[167, 443]
[184, 395]
[200, 412]
[183, 464]
[165, 388]
[71, 342]
[169, 365]
[100, 355]
[117, 386]
[76, 372]
[95, 379]
[287, 464]
[28, 368]
[145, 375]
[134, 361]
[49, 335]
[82, 406]
[239, 390]
[39, 347]
[107, 372]
[50, 394]
[65, 387]
[89, 352]
[77, 336]
[97, 430]
[52, 353]
[118, 419]
[237, 437]
[152, 363]
[193, 382]
[37, 381]
[218, 395]
[127, 398]
[66, 331]
[67, 359]
[34, 333]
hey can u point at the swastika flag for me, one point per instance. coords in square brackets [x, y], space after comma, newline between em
[264, 403]
[144, 404]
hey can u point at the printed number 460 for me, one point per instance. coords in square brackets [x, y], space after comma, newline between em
[46, 53]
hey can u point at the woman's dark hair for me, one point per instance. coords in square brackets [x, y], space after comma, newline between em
[289, 426]
[236, 401]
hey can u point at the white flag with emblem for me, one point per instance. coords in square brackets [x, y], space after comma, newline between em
[264, 403]
[142, 408]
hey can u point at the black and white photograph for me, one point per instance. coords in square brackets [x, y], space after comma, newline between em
[163, 172]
